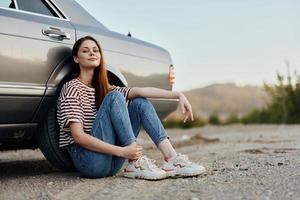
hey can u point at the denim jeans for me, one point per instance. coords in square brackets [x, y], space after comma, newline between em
[118, 125]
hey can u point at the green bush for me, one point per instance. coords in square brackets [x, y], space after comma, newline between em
[256, 116]
[177, 123]
[214, 120]
[285, 104]
[232, 119]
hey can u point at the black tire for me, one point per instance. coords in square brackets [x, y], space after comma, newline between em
[47, 139]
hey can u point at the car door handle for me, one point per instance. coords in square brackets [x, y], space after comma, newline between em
[56, 33]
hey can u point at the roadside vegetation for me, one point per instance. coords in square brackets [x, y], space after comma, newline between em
[284, 107]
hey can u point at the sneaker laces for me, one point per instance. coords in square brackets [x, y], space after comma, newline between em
[144, 161]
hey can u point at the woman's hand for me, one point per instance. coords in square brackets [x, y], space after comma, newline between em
[185, 107]
[132, 151]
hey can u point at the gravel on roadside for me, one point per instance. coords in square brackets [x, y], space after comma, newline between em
[242, 162]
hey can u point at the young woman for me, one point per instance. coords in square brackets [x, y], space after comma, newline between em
[99, 123]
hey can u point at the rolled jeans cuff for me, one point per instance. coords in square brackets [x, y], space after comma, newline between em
[129, 141]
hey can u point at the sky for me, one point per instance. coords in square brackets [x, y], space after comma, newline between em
[212, 41]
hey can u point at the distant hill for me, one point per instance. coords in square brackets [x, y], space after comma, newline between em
[225, 99]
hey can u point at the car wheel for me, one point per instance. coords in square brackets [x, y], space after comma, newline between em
[47, 139]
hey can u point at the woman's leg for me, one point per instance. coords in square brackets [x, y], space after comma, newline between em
[112, 125]
[142, 112]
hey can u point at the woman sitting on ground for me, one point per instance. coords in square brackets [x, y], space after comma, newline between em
[99, 123]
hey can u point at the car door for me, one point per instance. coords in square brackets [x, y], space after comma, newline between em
[34, 37]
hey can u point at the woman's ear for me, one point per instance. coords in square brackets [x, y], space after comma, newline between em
[75, 59]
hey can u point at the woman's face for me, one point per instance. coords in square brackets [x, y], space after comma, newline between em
[88, 55]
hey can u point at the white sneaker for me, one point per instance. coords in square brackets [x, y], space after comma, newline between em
[181, 166]
[144, 168]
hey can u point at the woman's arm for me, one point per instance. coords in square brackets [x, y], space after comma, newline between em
[92, 143]
[151, 92]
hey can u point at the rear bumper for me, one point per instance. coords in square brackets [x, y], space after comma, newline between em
[164, 107]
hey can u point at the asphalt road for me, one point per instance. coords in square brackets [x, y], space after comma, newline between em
[243, 162]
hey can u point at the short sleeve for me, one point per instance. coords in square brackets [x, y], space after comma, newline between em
[70, 110]
[122, 90]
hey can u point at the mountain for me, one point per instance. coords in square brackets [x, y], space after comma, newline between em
[225, 99]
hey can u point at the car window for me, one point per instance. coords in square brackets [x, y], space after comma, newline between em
[7, 4]
[36, 6]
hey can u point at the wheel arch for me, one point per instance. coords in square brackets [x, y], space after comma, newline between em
[63, 73]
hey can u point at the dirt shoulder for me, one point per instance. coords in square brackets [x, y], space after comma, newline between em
[243, 162]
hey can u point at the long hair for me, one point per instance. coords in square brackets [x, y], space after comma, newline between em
[100, 79]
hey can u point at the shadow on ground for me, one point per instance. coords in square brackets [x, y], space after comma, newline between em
[25, 168]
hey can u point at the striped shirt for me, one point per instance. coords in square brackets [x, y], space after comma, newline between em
[76, 103]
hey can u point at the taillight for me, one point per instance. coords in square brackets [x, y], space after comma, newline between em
[171, 75]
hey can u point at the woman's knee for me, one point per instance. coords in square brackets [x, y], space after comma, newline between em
[114, 95]
[108, 101]
[143, 103]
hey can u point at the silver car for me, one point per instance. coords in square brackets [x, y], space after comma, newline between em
[36, 39]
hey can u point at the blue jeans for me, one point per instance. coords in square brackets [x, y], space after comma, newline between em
[117, 125]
